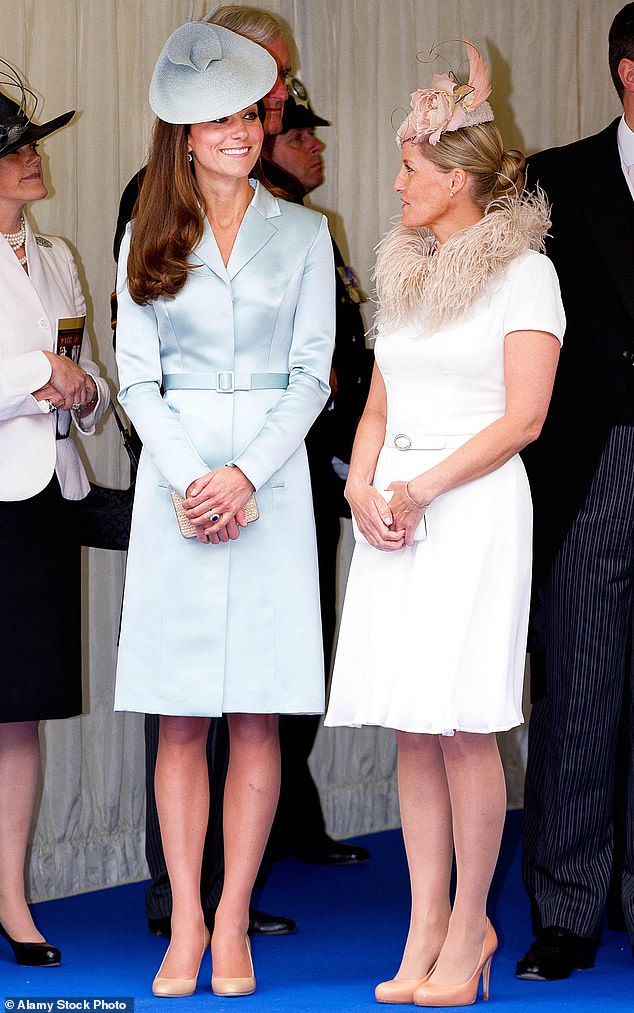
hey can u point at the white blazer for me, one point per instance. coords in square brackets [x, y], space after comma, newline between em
[30, 305]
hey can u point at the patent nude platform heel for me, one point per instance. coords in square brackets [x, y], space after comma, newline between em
[400, 990]
[176, 988]
[464, 994]
[235, 986]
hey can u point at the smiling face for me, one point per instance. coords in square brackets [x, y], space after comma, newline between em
[274, 101]
[20, 182]
[424, 190]
[226, 148]
[298, 152]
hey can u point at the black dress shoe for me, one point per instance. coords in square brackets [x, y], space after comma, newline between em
[33, 954]
[325, 851]
[260, 924]
[555, 953]
[160, 927]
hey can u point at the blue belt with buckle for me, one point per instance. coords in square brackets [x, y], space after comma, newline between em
[226, 381]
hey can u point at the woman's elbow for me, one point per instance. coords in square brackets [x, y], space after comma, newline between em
[533, 428]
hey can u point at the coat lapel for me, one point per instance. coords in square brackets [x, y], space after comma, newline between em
[608, 204]
[254, 233]
[32, 287]
[207, 253]
[39, 280]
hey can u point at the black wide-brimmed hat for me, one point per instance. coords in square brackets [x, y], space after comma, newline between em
[16, 118]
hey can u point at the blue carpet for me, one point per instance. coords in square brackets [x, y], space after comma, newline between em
[351, 927]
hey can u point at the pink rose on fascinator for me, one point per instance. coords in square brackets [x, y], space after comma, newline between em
[432, 109]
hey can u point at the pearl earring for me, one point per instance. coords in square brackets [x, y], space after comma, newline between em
[451, 193]
[189, 155]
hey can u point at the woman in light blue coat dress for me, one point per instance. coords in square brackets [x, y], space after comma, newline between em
[225, 333]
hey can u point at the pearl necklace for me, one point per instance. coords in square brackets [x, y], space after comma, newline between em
[17, 239]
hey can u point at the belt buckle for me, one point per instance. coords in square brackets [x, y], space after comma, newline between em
[402, 441]
[225, 381]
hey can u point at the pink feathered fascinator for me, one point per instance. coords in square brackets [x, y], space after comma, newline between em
[449, 104]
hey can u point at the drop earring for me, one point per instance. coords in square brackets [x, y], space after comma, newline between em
[189, 156]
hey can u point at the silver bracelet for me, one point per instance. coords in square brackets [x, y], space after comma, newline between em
[78, 409]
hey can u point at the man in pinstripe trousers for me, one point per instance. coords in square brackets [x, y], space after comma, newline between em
[580, 778]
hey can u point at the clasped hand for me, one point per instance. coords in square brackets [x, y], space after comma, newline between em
[407, 514]
[68, 385]
[374, 517]
[223, 492]
[386, 526]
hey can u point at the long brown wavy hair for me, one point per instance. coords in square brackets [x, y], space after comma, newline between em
[168, 217]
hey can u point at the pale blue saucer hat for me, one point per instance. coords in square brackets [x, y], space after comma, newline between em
[206, 71]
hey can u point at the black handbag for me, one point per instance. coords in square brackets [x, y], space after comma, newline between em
[105, 515]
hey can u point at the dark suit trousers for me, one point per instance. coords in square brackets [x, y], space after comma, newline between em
[572, 780]
[158, 899]
[299, 819]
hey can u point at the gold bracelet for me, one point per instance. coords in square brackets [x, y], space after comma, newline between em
[419, 506]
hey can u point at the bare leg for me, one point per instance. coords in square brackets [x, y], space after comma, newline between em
[478, 805]
[19, 773]
[426, 822]
[182, 800]
[251, 793]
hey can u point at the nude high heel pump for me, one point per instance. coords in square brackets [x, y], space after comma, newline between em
[400, 990]
[174, 988]
[465, 994]
[235, 986]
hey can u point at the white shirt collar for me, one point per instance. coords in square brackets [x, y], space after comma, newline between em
[625, 141]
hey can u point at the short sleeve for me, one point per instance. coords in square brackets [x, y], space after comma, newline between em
[534, 301]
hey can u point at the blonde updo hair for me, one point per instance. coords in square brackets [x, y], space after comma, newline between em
[495, 173]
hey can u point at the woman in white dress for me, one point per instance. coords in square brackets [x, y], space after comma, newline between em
[433, 632]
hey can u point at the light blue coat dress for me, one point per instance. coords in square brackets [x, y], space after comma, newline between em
[234, 627]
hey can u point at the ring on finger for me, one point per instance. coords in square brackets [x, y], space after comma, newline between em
[214, 516]
[76, 407]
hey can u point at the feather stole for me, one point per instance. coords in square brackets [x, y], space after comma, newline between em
[436, 286]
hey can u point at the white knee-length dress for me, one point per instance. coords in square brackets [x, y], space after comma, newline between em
[433, 636]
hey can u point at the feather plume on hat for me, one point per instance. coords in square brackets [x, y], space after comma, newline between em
[449, 104]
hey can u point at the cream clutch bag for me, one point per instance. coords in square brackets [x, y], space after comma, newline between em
[187, 528]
